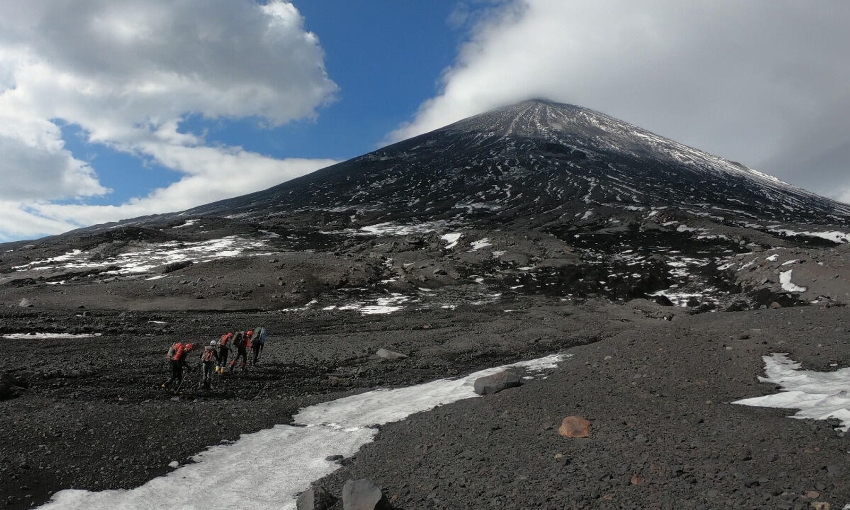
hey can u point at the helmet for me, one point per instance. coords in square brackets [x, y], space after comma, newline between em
[213, 342]
[189, 347]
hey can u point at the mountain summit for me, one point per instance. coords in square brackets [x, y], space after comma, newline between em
[536, 198]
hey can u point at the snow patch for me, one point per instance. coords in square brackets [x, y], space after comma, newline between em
[48, 336]
[818, 395]
[834, 236]
[451, 239]
[787, 286]
[477, 245]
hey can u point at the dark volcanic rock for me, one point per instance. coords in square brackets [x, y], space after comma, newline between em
[10, 386]
[176, 266]
[315, 498]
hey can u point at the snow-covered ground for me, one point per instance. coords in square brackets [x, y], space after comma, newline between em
[267, 469]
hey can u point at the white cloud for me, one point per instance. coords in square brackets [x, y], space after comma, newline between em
[761, 82]
[16, 222]
[127, 73]
[214, 174]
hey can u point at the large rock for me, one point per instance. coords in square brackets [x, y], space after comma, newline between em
[363, 495]
[315, 498]
[9, 386]
[574, 426]
[495, 383]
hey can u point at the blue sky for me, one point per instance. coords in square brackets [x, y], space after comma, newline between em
[384, 56]
[116, 109]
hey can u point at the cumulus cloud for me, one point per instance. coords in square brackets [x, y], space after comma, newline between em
[238, 172]
[127, 73]
[760, 82]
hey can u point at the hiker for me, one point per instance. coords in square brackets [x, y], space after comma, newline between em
[177, 359]
[209, 362]
[239, 342]
[223, 351]
[258, 340]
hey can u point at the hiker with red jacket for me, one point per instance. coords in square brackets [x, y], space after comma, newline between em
[240, 343]
[209, 360]
[177, 359]
[223, 351]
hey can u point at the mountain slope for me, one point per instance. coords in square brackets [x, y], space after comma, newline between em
[536, 157]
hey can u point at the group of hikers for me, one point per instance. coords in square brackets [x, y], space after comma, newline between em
[214, 356]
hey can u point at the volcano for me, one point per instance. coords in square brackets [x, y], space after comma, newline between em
[537, 197]
[552, 161]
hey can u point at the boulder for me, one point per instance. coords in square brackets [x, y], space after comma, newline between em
[574, 426]
[176, 266]
[9, 386]
[663, 300]
[6, 391]
[315, 498]
[495, 383]
[363, 495]
[387, 354]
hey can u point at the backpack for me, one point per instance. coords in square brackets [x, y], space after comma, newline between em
[239, 339]
[225, 338]
[259, 337]
[208, 354]
[176, 351]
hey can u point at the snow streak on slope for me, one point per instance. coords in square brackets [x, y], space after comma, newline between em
[146, 256]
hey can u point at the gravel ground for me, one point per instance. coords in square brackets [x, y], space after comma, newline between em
[657, 392]
[664, 433]
[94, 416]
